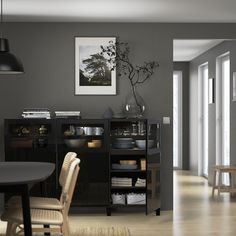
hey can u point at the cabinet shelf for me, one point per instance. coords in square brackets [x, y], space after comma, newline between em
[143, 137]
[128, 171]
[33, 136]
[127, 205]
[83, 149]
[127, 188]
[133, 151]
[83, 136]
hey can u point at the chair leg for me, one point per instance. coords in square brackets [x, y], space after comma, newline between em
[214, 184]
[11, 228]
[232, 182]
[219, 183]
[65, 227]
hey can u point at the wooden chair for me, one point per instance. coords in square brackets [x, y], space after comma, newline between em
[41, 217]
[43, 202]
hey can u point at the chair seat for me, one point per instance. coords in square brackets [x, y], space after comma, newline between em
[38, 216]
[36, 202]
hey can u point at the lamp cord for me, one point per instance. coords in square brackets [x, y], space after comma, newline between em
[1, 20]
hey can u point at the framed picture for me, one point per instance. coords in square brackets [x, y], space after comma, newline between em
[211, 90]
[94, 75]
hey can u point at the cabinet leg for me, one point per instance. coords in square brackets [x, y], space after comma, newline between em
[158, 212]
[108, 210]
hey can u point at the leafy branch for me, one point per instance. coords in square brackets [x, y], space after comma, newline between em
[118, 56]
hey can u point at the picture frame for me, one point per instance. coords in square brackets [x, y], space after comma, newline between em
[211, 90]
[93, 73]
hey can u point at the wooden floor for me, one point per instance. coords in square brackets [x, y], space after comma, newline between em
[195, 213]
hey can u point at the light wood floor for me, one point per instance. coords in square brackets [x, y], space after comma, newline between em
[195, 213]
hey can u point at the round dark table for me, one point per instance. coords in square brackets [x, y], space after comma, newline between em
[16, 177]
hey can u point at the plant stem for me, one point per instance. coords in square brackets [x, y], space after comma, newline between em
[135, 97]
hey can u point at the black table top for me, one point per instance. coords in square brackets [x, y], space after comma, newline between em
[24, 172]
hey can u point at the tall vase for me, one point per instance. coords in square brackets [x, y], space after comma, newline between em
[134, 106]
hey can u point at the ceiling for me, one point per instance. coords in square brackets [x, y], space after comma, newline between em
[120, 10]
[188, 49]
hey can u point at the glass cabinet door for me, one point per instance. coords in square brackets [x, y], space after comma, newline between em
[153, 167]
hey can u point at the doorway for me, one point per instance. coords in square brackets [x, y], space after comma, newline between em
[208, 107]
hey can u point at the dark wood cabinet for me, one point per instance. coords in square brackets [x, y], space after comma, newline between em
[137, 183]
[92, 187]
[101, 145]
[32, 140]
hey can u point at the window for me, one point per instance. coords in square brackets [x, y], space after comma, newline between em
[223, 112]
[177, 119]
[203, 101]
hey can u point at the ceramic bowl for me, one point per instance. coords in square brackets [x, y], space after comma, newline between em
[75, 143]
[142, 143]
[128, 162]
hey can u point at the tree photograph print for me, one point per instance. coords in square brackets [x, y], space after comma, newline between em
[94, 72]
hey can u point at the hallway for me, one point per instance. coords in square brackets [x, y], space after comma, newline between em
[196, 213]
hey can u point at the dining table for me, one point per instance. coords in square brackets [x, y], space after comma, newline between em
[18, 178]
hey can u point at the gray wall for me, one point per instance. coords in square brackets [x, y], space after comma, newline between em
[210, 57]
[47, 50]
[184, 67]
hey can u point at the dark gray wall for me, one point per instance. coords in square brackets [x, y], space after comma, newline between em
[184, 67]
[47, 50]
[210, 57]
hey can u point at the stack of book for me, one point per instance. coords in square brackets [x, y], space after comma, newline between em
[40, 113]
[67, 114]
[121, 182]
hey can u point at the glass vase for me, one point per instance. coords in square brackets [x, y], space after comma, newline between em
[134, 106]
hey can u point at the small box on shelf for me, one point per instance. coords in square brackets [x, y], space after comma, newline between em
[143, 164]
[136, 198]
[118, 198]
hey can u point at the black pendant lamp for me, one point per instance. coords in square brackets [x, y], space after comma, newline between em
[9, 64]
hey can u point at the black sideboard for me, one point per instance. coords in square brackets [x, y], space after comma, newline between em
[101, 145]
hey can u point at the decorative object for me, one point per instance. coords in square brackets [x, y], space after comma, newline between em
[108, 113]
[43, 130]
[94, 73]
[120, 115]
[95, 143]
[75, 143]
[134, 104]
[142, 143]
[234, 86]
[211, 90]
[137, 75]
[9, 64]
